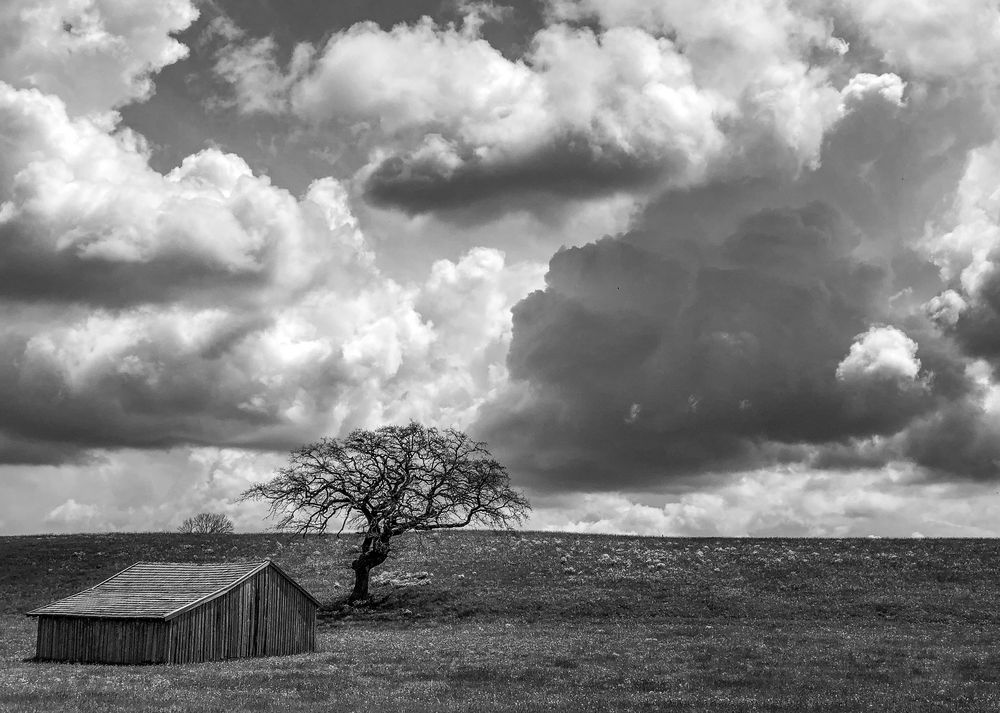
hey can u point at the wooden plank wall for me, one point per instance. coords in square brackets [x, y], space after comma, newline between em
[95, 640]
[264, 616]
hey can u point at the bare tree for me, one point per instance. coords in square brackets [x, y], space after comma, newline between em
[388, 481]
[207, 523]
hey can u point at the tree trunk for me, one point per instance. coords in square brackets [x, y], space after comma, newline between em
[361, 577]
[373, 553]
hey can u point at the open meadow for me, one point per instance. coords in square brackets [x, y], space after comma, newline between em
[524, 621]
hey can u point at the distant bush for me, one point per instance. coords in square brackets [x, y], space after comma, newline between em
[207, 523]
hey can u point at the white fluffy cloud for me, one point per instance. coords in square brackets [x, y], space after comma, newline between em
[932, 39]
[733, 91]
[923, 37]
[76, 517]
[786, 502]
[881, 353]
[250, 66]
[163, 374]
[888, 87]
[963, 243]
[80, 198]
[130, 491]
[206, 305]
[95, 54]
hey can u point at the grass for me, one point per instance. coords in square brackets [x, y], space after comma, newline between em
[478, 621]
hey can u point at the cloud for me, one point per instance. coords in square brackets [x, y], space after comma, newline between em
[206, 306]
[408, 245]
[946, 308]
[887, 87]
[636, 96]
[961, 438]
[95, 54]
[84, 217]
[785, 502]
[161, 375]
[136, 490]
[921, 37]
[637, 366]
[635, 320]
[251, 68]
[155, 490]
[76, 517]
[964, 244]
[794, 306]
[450, 120]
[881, 353]
[931, 40]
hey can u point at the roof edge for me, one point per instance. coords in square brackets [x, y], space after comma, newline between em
[218, 593]
[295, 584]
[77, 615]
[229, 587]
[36, 611]
[264, 564]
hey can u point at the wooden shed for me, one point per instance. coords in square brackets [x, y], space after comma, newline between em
[172, 612]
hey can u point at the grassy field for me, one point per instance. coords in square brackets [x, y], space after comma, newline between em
[475, 621]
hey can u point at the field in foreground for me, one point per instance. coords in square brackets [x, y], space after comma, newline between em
[475, 621]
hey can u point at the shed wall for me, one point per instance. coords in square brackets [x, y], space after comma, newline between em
[264, 616]
[101, 640]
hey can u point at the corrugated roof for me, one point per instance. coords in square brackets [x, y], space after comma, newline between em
[156, 590]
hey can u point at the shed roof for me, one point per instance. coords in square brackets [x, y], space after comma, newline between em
[159, 590]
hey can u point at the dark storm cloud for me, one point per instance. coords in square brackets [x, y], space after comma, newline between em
[977, 327]
[765, 320]
[191, 399]
[570, 168]
[15, 450]
[959, 441]
[314, 22]
[962, 439]
[642, 366]
[31, 271]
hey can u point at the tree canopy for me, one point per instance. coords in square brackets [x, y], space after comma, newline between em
[388, 481]
[207, 523]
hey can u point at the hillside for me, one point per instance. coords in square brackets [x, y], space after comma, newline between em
[533, 621]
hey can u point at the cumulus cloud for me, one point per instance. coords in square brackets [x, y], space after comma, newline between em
[136, 490]
[799, 281]
[250, 67]
[931, 40]
[585, 111]
[963, 244]
[627, 96]
[961, 438]
[95, 54]
[155, 376]
[72, 516]
[881, 353]
[206, 306]
[946, 308]
[864, 87]
[923, 38]
[786, 502]
[85, 218]
[733, 353]
[614, 327]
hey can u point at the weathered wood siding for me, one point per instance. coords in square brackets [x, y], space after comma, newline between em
[264, 616]
[100, 640]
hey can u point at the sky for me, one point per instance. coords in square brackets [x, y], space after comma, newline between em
[688, 268]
